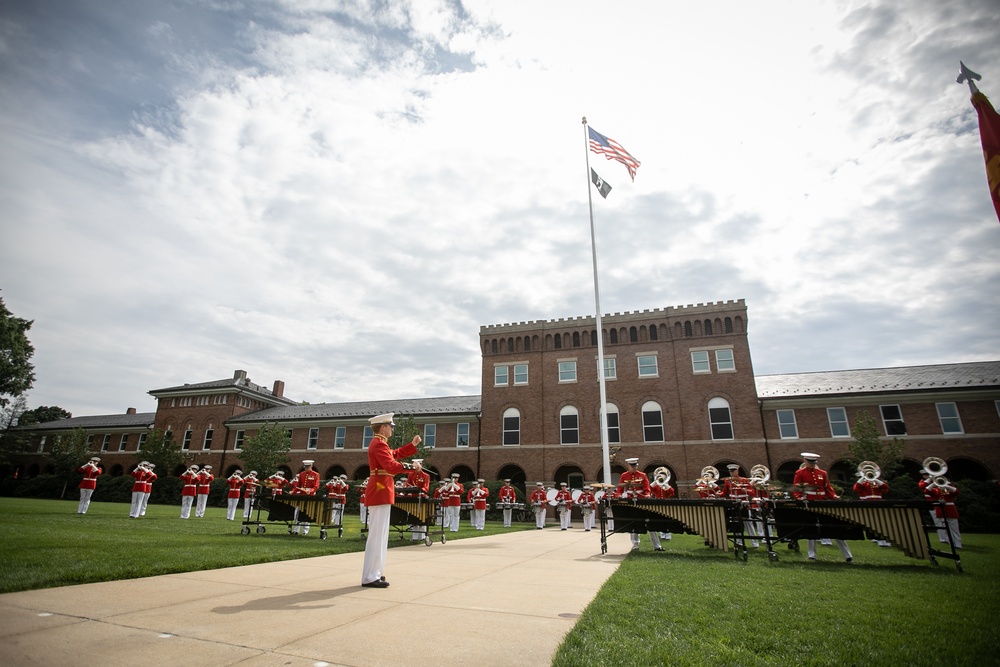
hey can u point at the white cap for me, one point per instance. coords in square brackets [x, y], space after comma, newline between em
[207, 468]
[539, 484]
[194, 466]
[733, 466]
[481, 481]
[632, 461]
[150, 465]
[95, 458]
[343, 476]
[308, 462]
[237, 472]
[280, 473]
[383, 419]
[418, 461]
[507, 480]
[562, 483]
[455, 475]
[809, 456]
[253, 473]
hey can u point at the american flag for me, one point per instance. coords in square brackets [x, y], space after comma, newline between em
[612, 150]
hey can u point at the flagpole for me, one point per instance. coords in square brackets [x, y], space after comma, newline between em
[605, 450]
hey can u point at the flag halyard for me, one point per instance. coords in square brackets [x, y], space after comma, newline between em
[612, 150]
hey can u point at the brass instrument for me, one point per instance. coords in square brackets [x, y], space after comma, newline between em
[870, 472]
[934, 466]
[613, 454]
[710, 474]
[759, 475]
[941, 482]
[661, 477]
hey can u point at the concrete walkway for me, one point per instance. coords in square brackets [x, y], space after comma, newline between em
[504, 598]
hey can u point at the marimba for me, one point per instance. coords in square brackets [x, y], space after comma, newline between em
[906, 524]
[408, 511]
[717, 521]
[282, 509]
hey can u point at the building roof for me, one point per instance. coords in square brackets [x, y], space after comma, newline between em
[139, 420]
[418, 407]
[238, 381]
[973, 375]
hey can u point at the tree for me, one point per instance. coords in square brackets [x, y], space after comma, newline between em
[869, 446]
[16, 372]
[69, 452]
[43, 414]
[266, 450]
[162, 451]
[406, 428]
[12, 440]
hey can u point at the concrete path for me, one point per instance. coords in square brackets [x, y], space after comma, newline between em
[504, 598]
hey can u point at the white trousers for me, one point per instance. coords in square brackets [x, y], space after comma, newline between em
[364, 513]
[955, 534]
[377, 543]
[247, 506]
[456, 515]
[186, 502]
[136, 507]
[303, 525]
[654, 539]
[478, 519]
[841, 544]
[85, 495]
[145, 501]
[540, 517]
[231, 505]
[336, 515]
[507, 516]
[564, 518]
[202, 503]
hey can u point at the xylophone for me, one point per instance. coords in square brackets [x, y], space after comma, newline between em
[282, 509]
[411, 510]
[715, 520]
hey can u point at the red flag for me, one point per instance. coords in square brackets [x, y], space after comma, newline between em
[989, 132]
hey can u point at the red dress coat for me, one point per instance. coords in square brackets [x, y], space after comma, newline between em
[737, 488]
[479, 497]
[868, 491]
[658, 491]
[936, 493]
[817, 484]
[420, 480]
[384, 464]
[90, 474]
[308, 482]
[205, 482]
[507, 494]
[538, 496]
[235, 485]
[640, 491]
[190, 483]
[139, 486]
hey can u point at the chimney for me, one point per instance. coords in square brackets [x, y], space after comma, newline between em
[279, 389]
[240, 375]
[130, 411]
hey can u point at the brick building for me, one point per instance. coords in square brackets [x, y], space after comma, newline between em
[681, 393]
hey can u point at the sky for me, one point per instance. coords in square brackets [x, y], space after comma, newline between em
[339, 194]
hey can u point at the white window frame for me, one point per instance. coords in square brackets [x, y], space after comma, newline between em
[786, 422]
[886, 422]
[186, 442]
[312, 441]
[340, 437]
[832, 421]
[700, 362]
[956, 418]
[41, 444]
[142, 442]
[106, 442]
[725, 360]
[569, 430]
[647, 408]
[430, 435]
[719, 403]
[206, 443]
[123, 442]
[520, 374]
[639, 357]
[462, 428]
[567, 371]
[610, 368]
[510, 414]
[614, 424]
[501, 375]
[366, 436]
[238, 440]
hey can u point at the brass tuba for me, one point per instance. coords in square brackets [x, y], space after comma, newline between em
[869, 471]
[759, 475]
[661, 477]
[710, 474]
[934, 466]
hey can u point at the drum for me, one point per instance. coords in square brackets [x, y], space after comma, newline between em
[576, 495]
[599, 495]
[550, 495]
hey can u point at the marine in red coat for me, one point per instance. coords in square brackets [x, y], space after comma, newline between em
[812, 483]
[205, 478]
[235, 483]
[189, 490]
[90, 471]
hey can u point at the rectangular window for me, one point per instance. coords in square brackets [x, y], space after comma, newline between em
[892, 420]
[340, 437]
[41, 444]
[90, 442]
[569, 429]
[500, 376]
[142, 442]
[652, 426]
[610, 369]
[839, 427]
[567, 371]
[724, 361]
[721, 422]
[462, 435]
[207, 444]
[786, 424]
[313, 438]
[186, 443]
[105, 442]
[367, 437]
[520, 373]
[122, 442]
[614, 431]
[238, 442]
[699, 362]
[512, 430]
[430, 435]
[647, 366]
[950, 421]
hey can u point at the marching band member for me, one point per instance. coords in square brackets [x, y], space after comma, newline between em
[91, 471]
[306, 483]
[383, 463]
[946, 493]
[923, 484]
[538, 500]
[189, 491]
[737, 487]
[872, 490]
[812, 483]
[235, 483]
[564, 502]
[205, 478]
[486, 498]
[277, 482]
[662, 490]
[251, 487]
[439, 494]
[588, 505]
[473, 485]
[336, 489]
[707, 488]
[138, 488]
[634, 484]
[479, 495]
[150, 478]
[507, 496]
[453, 502]
[362, 508]
[418, 479]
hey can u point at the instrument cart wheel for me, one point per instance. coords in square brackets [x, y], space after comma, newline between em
[444, 538]
[289, 530]
[340, 532]
[428, 541]
[772, 556]
[261, 529]
[958, 566]
[322, 534]
[245, 530]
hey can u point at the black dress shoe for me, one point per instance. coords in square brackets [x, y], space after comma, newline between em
[381, 583]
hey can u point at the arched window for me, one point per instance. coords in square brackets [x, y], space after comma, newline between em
[720, 419]
[652, 422]
[613, 335]
[558, 340]
[510, 344]
[729, 325]
[687, 329]
[569, 426]
[511, 427]
[652, 332]
[614, 428]
[633, 335]
[576, 339]
[708, 327]
[527, 343]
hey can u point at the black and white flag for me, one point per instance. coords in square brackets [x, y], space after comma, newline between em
[602, 185]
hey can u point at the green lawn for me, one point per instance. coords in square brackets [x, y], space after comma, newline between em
[45, 543]
[696, 606]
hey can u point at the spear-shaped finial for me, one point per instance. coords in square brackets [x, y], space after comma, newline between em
[966, 75]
